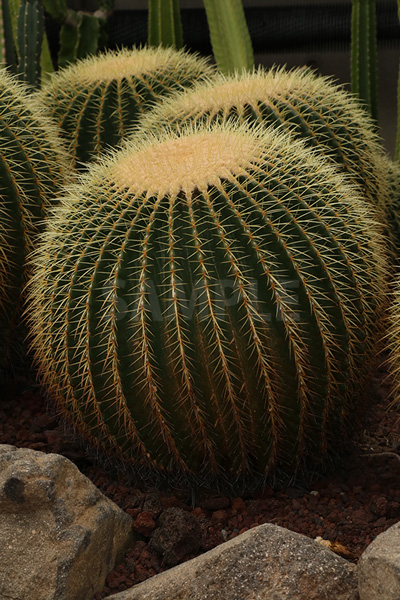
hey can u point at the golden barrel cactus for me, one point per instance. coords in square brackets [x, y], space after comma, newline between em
[97, 100]
[33, 168]
[207, 303]
[309, 107]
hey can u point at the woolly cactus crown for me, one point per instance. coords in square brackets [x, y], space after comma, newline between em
[115, 65]
[98, 99]
[164, 322]
[305, 105]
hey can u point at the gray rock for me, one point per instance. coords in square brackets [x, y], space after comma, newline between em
[265, 562]
[59, 535]
[178, 534]
[378, 569]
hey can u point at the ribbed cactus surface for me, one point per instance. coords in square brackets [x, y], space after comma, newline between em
[32, 170]
[207, 303]
[392, 341]
[97, 100]
[307, 106]
[393, 203]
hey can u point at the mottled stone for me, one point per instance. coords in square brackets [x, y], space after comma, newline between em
[179, 534]
[378, 569]
[265, 562]
[59, 535]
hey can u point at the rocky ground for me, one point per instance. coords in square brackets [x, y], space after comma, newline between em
[348, 508]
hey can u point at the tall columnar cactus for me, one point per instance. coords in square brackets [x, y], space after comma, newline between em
[30, 39]
[81, 32]
[229, 34]
[364, 62]
[309, 107]
[207, 303]
[8, 56]
[164, 24]
[32, 170]
[97, 100]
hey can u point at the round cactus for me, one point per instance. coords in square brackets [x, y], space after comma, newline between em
[98, 99]
[207, 303]
[32, 170]
[307, 106]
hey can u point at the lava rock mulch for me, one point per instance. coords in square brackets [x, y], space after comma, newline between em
[350, 507]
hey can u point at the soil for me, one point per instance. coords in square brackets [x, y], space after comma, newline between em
[348, 508]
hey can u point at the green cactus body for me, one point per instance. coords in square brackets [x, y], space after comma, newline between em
[364, 64]
[207, 303]
[32, 169]
[393, 204]
[392, 342]
[164, 24]
[308, 107]
[96, 100]
[30, 33]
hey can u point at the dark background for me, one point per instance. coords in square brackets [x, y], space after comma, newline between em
[291, 32]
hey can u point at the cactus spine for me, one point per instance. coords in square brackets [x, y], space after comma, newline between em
[207, 303]
[308, 107]
[97, 100]
[32, 169]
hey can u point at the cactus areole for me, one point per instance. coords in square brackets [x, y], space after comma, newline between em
[205, 304]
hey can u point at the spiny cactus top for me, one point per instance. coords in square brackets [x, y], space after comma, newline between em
[307, 106]
[208, 302]
[96, 100]
[32, 170]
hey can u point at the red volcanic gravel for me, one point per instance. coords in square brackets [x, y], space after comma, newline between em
[349, 507]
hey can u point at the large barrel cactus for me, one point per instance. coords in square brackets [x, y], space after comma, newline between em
[97, 100]
[307, 106]
[207, 303]
[32, 170]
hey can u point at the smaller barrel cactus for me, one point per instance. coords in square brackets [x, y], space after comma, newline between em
[97, 100]
[207, 303]
[32, 170]
[307, 106]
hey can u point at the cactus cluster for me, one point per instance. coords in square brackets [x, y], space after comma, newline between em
[206, 302]
[207, 296]
[96, 101]
[32, 170]
[306, 106]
